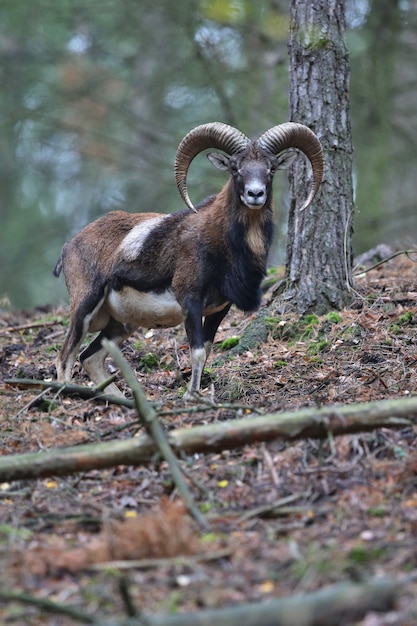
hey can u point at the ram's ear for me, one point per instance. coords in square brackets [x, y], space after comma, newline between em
[219, 160]
[286, 159]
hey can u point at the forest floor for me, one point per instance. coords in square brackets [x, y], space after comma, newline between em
[285, 517]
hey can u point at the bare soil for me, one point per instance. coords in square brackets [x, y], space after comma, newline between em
[345, 507]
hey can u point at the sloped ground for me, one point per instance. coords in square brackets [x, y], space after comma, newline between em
[348, 505]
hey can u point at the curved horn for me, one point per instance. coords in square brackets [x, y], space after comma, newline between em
[293, 135]
[213, 135]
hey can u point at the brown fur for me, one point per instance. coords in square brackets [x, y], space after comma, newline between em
[108, 265]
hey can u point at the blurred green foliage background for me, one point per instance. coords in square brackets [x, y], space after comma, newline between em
[95, 97]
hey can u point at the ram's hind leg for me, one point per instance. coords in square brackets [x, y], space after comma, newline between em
[69, 350]
[94, 356]
[80, 320]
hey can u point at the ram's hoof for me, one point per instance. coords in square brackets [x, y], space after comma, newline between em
[192, 396]
[113, 390]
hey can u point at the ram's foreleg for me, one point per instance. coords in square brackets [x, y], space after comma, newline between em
[211, 324]
[200, 339]
[193, 322]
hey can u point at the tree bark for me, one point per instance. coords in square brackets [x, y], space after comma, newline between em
[319, 248]
[317, 423]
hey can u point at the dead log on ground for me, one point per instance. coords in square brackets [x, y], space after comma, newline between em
[314, 423]
[344, 602]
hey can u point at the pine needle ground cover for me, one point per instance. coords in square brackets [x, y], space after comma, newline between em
[284, 517]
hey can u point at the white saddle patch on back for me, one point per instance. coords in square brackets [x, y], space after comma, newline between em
[133, 242]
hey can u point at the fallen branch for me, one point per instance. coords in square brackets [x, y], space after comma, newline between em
[97, 393]
[153, 427]
[176, 561]
[364, 270]
[345, 602]
[69, 389]
[45, 605]
[312, 422]
[28, 326]
[31, 403]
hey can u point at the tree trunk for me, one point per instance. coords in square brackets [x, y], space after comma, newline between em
[319, 249]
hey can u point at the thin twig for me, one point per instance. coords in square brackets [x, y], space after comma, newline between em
[22, 493]
[88, 393]
[96, 393]
[197, 483]
[13, 329]
[136, 424]
[346, 239]
[270, 465]
[210, 406]
[153, 427]
[261, 510]
[388, 258]
[155, 563]
[30, 403]
[46, 605]
[126, 596]
[322, 469]
[106, 382]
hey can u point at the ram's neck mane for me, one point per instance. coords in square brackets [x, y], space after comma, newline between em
[245, 236]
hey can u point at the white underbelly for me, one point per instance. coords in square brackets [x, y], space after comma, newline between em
[146, 309]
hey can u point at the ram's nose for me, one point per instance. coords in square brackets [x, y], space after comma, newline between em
[254, 196]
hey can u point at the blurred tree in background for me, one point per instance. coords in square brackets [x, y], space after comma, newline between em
[383, 45]
[97, 95]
